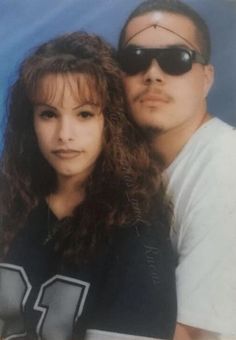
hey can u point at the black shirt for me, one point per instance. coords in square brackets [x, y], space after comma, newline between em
[129, 288]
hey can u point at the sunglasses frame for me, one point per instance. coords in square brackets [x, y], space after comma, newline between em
[157, 53]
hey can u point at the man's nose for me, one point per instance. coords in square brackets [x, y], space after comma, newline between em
[154, 73]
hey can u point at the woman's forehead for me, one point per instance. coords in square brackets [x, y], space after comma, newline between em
[52, 88]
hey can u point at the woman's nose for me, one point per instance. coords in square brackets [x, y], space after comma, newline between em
[65, 130]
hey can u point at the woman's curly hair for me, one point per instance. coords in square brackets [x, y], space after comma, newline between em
[125, 180]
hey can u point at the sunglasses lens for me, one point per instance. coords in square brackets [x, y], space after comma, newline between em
[175, 61]
[133, 60]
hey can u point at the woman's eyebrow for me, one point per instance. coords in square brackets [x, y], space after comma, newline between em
[74, 108]
[85, 103]
[44, 104]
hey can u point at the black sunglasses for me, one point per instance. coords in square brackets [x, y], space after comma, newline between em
[172, 60]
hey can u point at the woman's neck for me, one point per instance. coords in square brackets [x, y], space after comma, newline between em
[68, 195]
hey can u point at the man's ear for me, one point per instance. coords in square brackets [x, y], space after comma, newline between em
[209, 78]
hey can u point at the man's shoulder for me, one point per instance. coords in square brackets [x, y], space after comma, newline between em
[207, 162]
[214, 135]
[220, 133]
[213, 141]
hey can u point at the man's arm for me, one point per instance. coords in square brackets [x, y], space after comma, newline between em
[184, 332]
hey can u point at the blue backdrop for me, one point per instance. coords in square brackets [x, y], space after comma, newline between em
[26, 23]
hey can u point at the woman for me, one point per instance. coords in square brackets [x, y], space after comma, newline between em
[83, 256]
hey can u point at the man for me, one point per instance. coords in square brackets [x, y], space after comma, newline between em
[164, 52]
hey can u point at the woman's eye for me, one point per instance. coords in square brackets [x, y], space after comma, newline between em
[86, 114]
[47, 114]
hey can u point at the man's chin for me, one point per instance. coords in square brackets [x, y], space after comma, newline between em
[150, 132]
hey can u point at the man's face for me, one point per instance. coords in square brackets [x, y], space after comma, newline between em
[158, 100]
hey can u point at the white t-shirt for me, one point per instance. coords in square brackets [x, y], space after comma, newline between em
[202, 185]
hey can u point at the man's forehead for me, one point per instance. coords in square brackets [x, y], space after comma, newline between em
[162, 24]
[140, 22]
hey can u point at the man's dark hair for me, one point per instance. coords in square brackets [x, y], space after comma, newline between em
[175, 7]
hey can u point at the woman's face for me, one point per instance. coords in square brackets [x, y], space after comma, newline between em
[68, 125]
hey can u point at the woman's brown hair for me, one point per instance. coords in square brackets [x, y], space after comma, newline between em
[122, 187]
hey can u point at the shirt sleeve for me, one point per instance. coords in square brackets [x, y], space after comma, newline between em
[206, 244]
[138, 299]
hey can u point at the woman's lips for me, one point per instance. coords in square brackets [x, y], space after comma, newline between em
[66, 153]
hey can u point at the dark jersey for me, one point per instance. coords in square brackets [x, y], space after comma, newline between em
[129, 288]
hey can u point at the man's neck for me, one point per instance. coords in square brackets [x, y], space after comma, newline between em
[169, 144]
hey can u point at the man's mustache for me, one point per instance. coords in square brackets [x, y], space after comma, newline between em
[152, 94]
